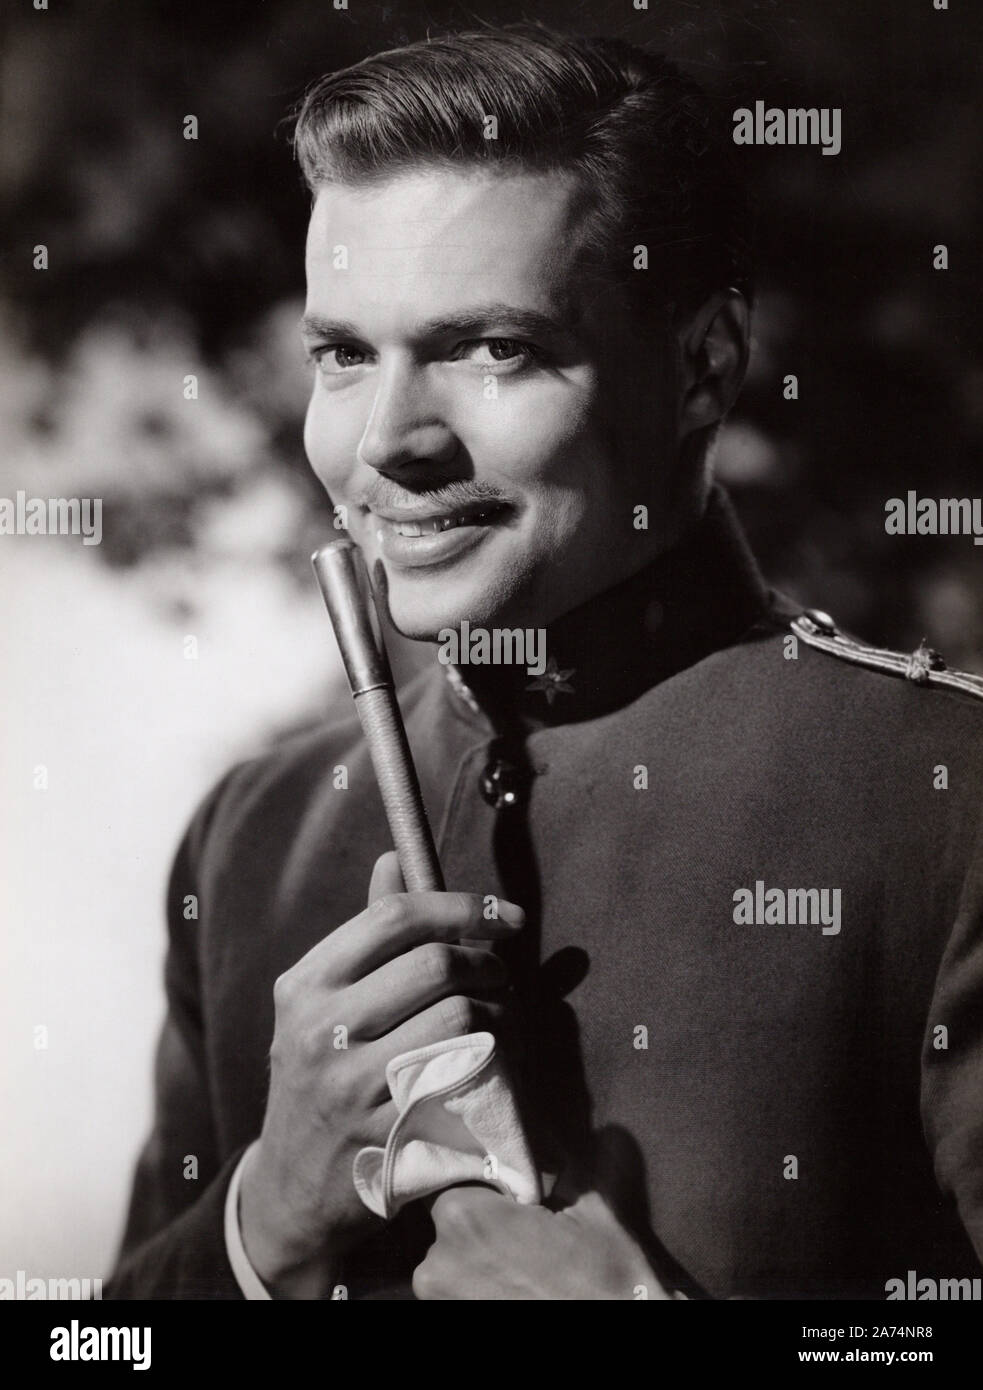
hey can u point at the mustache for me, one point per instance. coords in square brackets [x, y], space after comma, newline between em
[456, 493]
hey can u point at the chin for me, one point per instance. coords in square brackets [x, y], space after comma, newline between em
[421, 618]
[421, 607]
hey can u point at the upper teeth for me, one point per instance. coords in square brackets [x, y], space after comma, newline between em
[431, 525]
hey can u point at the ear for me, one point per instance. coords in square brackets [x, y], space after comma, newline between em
[713, 354]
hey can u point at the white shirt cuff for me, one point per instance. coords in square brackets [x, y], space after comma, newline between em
[246, 1277]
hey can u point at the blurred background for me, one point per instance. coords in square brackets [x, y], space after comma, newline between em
[170, 257]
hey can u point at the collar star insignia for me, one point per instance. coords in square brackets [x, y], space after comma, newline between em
[552, 681]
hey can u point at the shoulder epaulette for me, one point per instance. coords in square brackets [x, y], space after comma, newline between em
[923, 666]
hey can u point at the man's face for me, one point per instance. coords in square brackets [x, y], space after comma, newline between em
[487, 414]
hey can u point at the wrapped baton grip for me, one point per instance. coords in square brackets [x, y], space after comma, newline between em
[347, 593]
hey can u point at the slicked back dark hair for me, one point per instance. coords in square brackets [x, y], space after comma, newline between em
[655, 165]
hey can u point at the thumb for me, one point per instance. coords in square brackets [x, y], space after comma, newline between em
[386, 878]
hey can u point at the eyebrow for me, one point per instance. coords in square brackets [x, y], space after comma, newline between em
[473, 320]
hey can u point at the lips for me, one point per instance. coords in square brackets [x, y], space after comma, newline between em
[423, 540]
[433, 525]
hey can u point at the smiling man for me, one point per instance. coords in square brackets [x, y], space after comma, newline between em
[527, 314]
[484, 409]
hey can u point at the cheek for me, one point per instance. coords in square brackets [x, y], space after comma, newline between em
[311, 436]
[564, 455]
[331, 436]
[536, 436]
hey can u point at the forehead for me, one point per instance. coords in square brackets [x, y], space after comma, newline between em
[436, 239]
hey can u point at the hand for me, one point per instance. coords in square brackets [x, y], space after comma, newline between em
[389, 980]
[489, 1247]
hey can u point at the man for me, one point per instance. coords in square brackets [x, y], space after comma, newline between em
[736, 960]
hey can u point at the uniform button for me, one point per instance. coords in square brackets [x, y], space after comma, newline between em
[822, 621]
[501, 784]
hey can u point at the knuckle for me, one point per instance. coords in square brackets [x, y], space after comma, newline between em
[310, 1046]
[284, 990]
[435, 963]
[457, 1014]
[454, 1212]
[425, 1282]
[466, 910]
[392, 911]
[340, 1092]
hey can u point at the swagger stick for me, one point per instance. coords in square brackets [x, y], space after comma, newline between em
[343, 581]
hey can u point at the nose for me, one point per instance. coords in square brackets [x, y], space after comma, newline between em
[405, 424]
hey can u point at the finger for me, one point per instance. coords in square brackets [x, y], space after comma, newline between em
[450, 1018]
[466, 1207]
[387, 877]
[415, 980]
[396, 922]
[381, 1119]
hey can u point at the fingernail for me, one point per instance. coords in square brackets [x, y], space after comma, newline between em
[512, 913]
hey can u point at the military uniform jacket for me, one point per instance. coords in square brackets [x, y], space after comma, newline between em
[779, 1109]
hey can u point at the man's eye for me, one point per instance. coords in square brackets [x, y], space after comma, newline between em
[338, 358]
[499, 350]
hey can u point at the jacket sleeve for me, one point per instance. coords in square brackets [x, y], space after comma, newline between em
[952, 1060]
[173, 1244]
